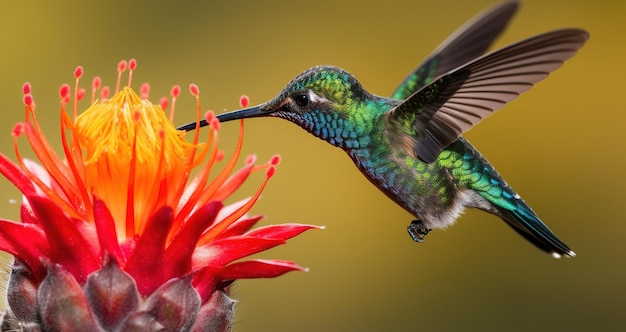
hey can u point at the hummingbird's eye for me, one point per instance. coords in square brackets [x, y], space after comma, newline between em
[302, 100]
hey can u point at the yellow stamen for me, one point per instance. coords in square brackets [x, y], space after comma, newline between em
[129, 143]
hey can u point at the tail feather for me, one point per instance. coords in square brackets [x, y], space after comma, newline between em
[477, 174]
[526, 223]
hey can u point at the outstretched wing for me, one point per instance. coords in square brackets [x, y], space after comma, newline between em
[467, 43]
[440, 112]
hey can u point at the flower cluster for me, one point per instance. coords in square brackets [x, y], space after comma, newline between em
[116, 233]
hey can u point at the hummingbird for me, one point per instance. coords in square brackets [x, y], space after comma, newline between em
[409, 145]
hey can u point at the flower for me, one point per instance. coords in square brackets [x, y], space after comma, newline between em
[115, 233]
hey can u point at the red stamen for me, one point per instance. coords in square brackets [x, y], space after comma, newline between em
[244, 101]
[18, 130]
[209, 116]
[75, 162]
[121, 67]
[216, 229]
[175, 92]
[215, 124]
[28, 100]
[26, 88]
[189, 163]
[161, 188]
[219, 180]
[104, 93]
[275, 160]
[270, 171]
[52, 194]
[164, 103]
[192, 194]
[78, 72]
[145, 91]
[95, 85]
[195, 91]
[132, 64]
[81, 94]
[64, 91]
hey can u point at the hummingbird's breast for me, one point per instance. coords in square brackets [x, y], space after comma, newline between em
[430, 192]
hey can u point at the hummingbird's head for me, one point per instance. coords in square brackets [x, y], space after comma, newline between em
[326, 101]
[321, 90]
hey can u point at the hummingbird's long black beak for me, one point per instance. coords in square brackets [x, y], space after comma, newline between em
[245, 113]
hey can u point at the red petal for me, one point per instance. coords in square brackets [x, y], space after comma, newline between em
[27, 215]
[205, 281]
[239, 227]
[283, 232]
[146, 262]
[52, 162]
[107, 235]
[224, 251]
[13, 173]
[27, 242]
[258, 269]
[178, 253]
[68, 247]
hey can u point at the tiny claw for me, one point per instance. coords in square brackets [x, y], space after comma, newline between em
[417, 231]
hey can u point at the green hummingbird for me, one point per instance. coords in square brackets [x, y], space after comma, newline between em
[410, 145]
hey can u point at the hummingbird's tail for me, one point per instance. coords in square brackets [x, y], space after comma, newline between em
[526, 223]
[475, 173]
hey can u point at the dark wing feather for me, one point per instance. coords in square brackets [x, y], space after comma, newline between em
[452, 104]
[467, 43]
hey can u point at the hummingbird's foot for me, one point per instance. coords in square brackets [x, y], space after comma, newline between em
[417, 230]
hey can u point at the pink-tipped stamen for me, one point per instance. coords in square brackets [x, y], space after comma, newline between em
[26, 88]
[80, 94]
[18, 130]
[244, 101]
[195, 91]
[145, 91]
[132, 65]
[175, 92]
[275, 160]
[105, 92]
[121, 67]
[28, 100]
[164, 102]
[95, 85]
[78, 73]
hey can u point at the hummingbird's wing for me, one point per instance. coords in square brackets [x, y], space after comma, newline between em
[439, 113]
[467, 43]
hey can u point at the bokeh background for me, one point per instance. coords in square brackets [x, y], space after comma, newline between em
[562, 146]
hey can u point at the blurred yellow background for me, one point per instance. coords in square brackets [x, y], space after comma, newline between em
[562, 146]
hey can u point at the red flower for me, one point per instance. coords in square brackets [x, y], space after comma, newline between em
[119, 228]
